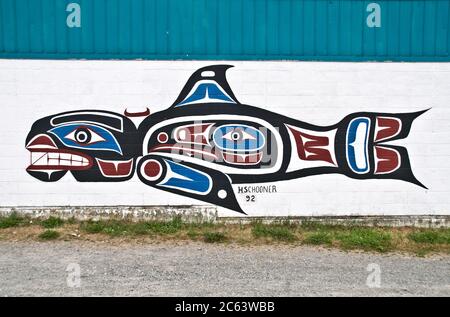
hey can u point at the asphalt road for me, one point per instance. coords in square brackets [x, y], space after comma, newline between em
[192, 269]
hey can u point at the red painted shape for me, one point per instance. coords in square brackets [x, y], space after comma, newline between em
[242, 159]
[163, 137]
[388, 160]
[387, 128]
[152, 168]
[42, 140]
[116, 168]
[137, 114]
[312, 147]
[189, 150]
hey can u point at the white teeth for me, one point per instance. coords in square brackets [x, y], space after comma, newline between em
[39, 158]
[57, 159]
[65, 156]
[53, 155]
[37, 155]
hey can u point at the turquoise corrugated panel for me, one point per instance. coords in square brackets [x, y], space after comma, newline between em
[430, 28]
[184, 16]
[223, 23]
[448, 32]
[87, 38]
[112, 26]
[442, 27]
[333, 24]
[36, 26]
[162, 33]
[272, 32]
[23, 46]
[137, 27]
[297, 28]
[99, 25]
[358, 20]
[321, 25]
[211, 24]
[260, 27]
[369, 37]
[198, 18]
[73, 36]
[405, 29]
[124, 36]
[226, 29]
[345, 28]
[48, 33]
[417, 28]
[248, 24]
[392, 25]
[2, 48]
[9, 25]
[381, 36]
[309, 10]
[284, 30]
[174, 29]
[60, 32]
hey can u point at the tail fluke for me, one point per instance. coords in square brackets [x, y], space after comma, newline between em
[364, 151]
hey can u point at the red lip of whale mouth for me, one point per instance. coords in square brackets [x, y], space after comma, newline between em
[45, 155]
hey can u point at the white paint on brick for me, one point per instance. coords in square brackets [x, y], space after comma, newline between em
[320, 93]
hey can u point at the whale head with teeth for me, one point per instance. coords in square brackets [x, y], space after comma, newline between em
[94, 146]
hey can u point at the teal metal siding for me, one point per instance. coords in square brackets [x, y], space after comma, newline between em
[411, 30]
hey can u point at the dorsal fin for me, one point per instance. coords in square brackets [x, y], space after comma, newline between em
[207, 85]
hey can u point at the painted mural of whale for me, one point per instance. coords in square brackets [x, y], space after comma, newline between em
[207, 141]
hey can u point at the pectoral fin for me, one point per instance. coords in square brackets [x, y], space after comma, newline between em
[187, 179]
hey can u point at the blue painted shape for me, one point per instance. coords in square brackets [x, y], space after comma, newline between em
[357, 142]
[187, 179]
[207, 92]
[411, 30]
[240, 138]
[102, 139]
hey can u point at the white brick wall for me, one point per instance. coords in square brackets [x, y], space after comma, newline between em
[320, 93]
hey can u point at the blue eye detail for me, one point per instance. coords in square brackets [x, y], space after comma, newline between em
[86, 137]
[238, 137]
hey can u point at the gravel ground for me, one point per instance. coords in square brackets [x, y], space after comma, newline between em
[193, 269]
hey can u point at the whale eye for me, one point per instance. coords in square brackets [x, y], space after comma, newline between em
[84, 136]
[87, 137]
[238, 135]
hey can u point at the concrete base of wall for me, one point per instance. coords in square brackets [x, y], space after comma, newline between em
[135, 213]
[194, 213]
[418, 221]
